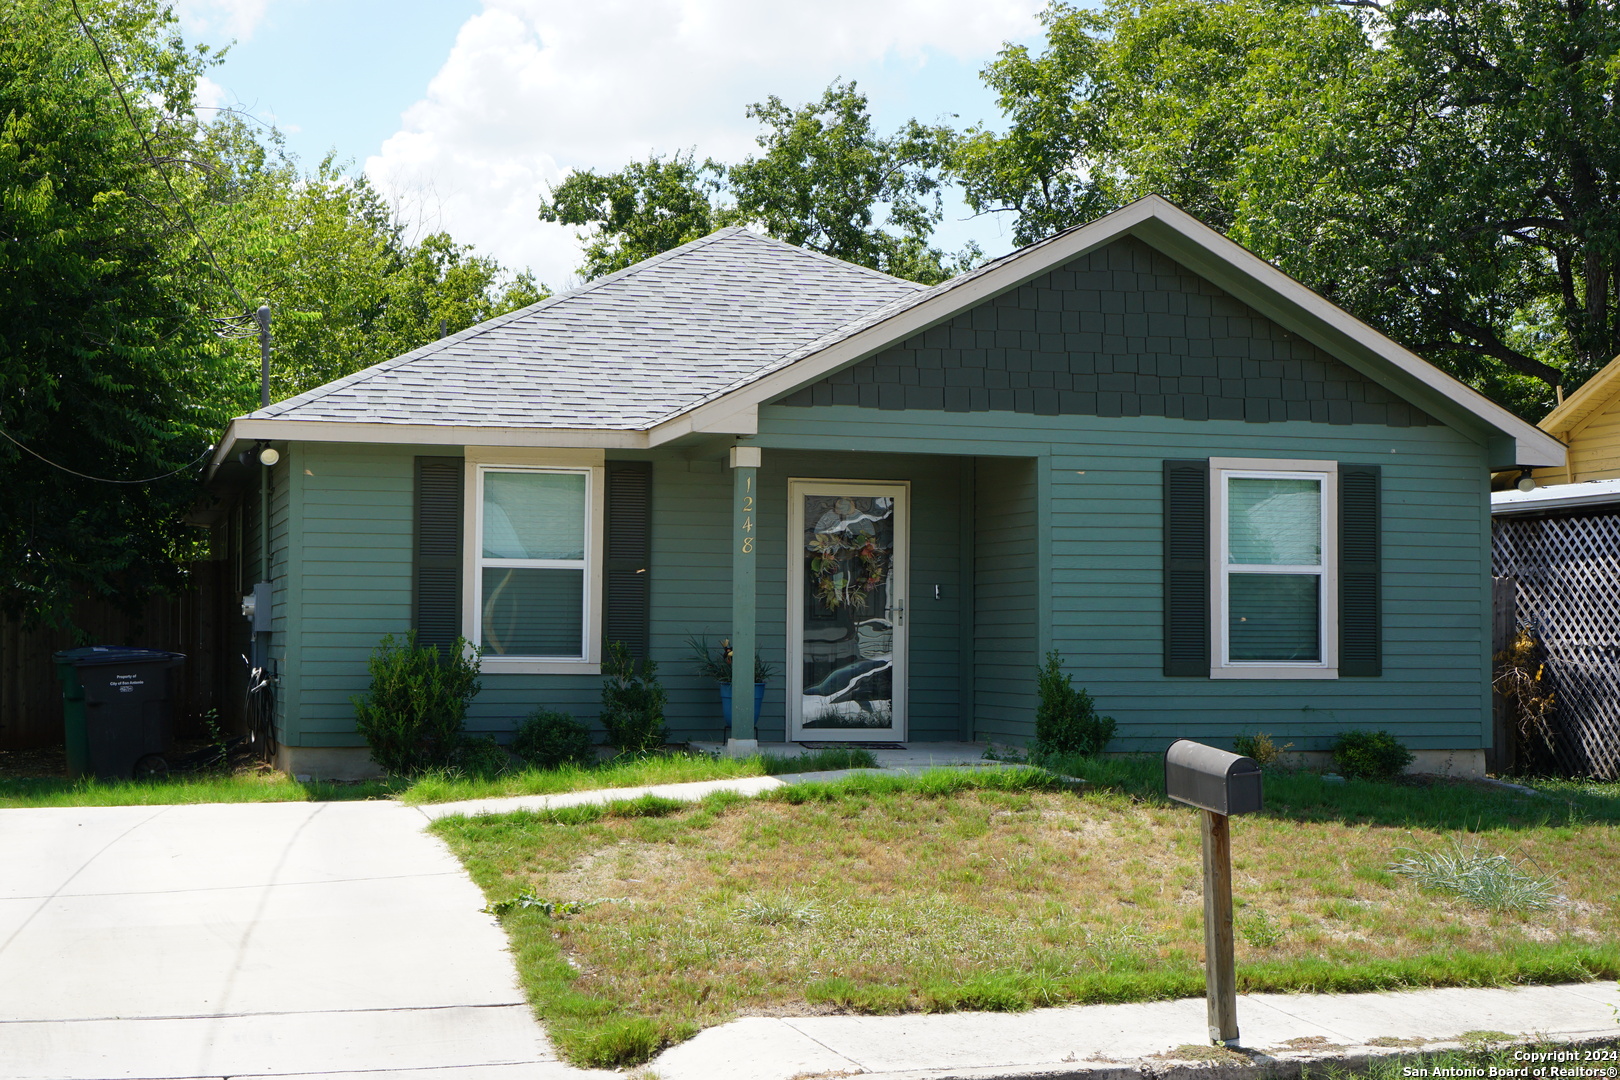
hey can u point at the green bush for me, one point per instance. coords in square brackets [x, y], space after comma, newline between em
[482, 756]
[1066, 720]
[414, 714]
[632, 702]
[1370, 755]
[549, 739]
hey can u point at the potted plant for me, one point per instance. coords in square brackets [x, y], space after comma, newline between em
[716, 665]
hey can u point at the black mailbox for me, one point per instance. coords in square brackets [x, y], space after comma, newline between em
[1211, 779]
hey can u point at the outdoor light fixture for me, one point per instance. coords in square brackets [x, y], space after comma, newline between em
[269, 456]
[1527, 483]
[260, 453]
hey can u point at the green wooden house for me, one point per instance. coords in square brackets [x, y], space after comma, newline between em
[1229, 505]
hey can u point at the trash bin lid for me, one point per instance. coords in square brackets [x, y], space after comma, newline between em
[114, 654]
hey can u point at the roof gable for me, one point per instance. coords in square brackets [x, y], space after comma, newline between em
[1599, 394]
[1123, 330]
[1201, 250]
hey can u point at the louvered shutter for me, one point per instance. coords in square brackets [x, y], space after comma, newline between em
[1186, 568]
[627, 590]
[1360, 620]
[436, 588]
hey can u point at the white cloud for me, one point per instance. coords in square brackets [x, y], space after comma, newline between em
[220, 20]
[534, 88]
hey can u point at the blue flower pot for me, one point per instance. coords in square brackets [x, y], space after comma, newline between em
[725, 705]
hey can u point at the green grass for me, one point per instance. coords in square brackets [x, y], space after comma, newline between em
[208, 788]
[440, 787]
[645, 771]
[1004, 889]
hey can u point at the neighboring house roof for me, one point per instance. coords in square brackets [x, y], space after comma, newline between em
[1595, 394]
[1541, 500]
[694, 340]
[1588, 422]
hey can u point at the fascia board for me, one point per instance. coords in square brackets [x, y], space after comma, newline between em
[912, 320]
[245, 429]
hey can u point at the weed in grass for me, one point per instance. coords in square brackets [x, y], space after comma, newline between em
[1260, 929]
[1484, 879]
[785, 909]
[524, 901]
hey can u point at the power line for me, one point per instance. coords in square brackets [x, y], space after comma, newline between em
[153, 157]
[102, 479]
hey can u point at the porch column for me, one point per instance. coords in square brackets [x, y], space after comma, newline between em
[744, 509]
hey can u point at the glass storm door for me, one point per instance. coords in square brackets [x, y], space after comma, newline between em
[847, 574]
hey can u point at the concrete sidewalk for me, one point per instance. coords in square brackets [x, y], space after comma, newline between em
[1129, 1042]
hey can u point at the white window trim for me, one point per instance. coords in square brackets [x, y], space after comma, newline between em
[1220, 469]
[482, 460]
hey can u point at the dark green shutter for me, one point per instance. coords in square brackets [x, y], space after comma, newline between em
[436, 584]
[1360, 623]
[1186, 568]
[627, 590]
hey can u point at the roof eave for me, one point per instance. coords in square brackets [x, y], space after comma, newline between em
[250, 429]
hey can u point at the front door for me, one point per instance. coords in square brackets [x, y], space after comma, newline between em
[847, 575]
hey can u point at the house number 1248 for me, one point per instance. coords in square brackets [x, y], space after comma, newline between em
[748, 519]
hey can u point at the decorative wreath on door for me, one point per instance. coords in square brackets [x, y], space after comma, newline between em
[846, 569]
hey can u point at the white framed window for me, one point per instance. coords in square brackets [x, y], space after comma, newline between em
[1274, 596]
[534, 564]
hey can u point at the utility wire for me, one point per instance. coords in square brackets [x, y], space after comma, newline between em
[152, 155]
[102, 479]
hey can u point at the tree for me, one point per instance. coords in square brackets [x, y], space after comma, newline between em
[1444, 169]
[326, 252]
[134, 243]
[107, 360]
[825, 174]
[823, 178]
[643, 209]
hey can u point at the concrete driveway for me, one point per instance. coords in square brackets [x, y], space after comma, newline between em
[283, 939]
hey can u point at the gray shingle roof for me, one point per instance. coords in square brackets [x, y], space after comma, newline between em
[622, 352]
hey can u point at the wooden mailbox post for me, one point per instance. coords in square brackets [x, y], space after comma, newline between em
[1219, 784]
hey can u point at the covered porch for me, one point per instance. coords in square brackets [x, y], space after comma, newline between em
[893, 596]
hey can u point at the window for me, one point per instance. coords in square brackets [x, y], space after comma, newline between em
[1273, 556]
[532, 593]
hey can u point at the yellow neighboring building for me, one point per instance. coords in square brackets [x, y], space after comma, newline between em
[1588, 422]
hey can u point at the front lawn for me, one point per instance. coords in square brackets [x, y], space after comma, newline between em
[1002, 890]
[23, 785]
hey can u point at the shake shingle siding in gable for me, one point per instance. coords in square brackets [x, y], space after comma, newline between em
[1123, 331]
[621, 352]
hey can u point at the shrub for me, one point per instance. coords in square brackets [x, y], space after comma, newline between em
[1370, 755]
[1066, 720]
[414, 714]
[482, 756]
[632, 702]
[549, 739]
[1259, 746]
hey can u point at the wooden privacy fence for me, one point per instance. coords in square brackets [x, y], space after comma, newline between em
[195, 623]
[1566, 572]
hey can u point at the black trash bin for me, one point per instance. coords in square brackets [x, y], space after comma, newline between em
[117, 709]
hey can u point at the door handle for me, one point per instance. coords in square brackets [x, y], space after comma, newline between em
[900, 613]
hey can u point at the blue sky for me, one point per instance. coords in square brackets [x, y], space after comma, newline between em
[463, 110]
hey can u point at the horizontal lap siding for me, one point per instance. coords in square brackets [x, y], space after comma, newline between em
[1107, 559]
[1005, 602]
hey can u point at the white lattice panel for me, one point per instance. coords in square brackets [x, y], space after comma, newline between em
[1567, 571]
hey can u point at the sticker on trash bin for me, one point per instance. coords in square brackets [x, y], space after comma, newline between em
[127, 683]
